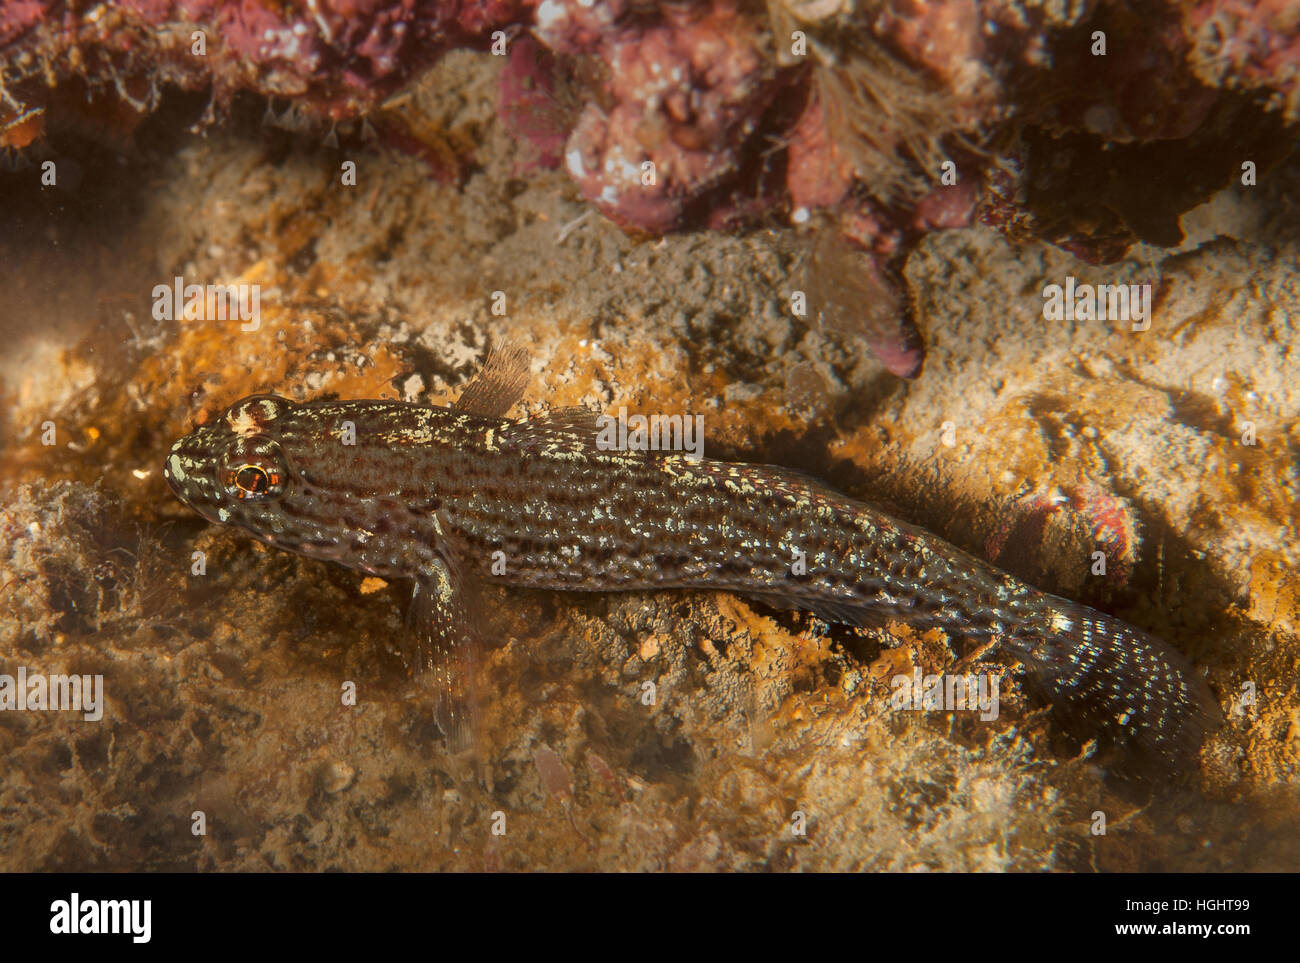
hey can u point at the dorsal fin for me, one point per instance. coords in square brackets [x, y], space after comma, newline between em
[499, 384]
[569, 429]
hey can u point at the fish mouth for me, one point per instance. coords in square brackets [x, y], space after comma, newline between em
[188, 471]
[170, 473]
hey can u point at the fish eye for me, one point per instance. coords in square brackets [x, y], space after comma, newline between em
[252, 480]
[253, 468]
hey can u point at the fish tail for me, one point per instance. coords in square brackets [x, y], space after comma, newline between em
[1115, 682]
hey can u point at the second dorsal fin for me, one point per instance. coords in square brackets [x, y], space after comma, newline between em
[563, 429]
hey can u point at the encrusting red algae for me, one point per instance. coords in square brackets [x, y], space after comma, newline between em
[452, 497]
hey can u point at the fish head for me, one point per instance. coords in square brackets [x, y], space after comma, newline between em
[329, 480]
[233, 471]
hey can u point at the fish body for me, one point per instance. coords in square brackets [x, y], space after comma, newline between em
[453, 497]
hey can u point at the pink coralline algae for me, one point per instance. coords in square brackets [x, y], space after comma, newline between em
[339, 58]
[947, 39]
[819, 174]
[686, 96]
[575, 27]
[350, 53]
[19, 16]
[533, 104]
[946, 208]
[1248, 45]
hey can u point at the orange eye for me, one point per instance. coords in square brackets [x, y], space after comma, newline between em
[253, 480]
[253, 468]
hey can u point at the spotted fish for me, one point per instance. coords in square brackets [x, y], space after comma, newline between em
[451, 497]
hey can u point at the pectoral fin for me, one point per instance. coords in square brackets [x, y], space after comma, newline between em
[443, 647]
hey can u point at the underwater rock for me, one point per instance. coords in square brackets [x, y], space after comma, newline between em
[1073, 124]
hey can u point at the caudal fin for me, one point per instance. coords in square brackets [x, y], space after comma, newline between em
[1111, 681]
